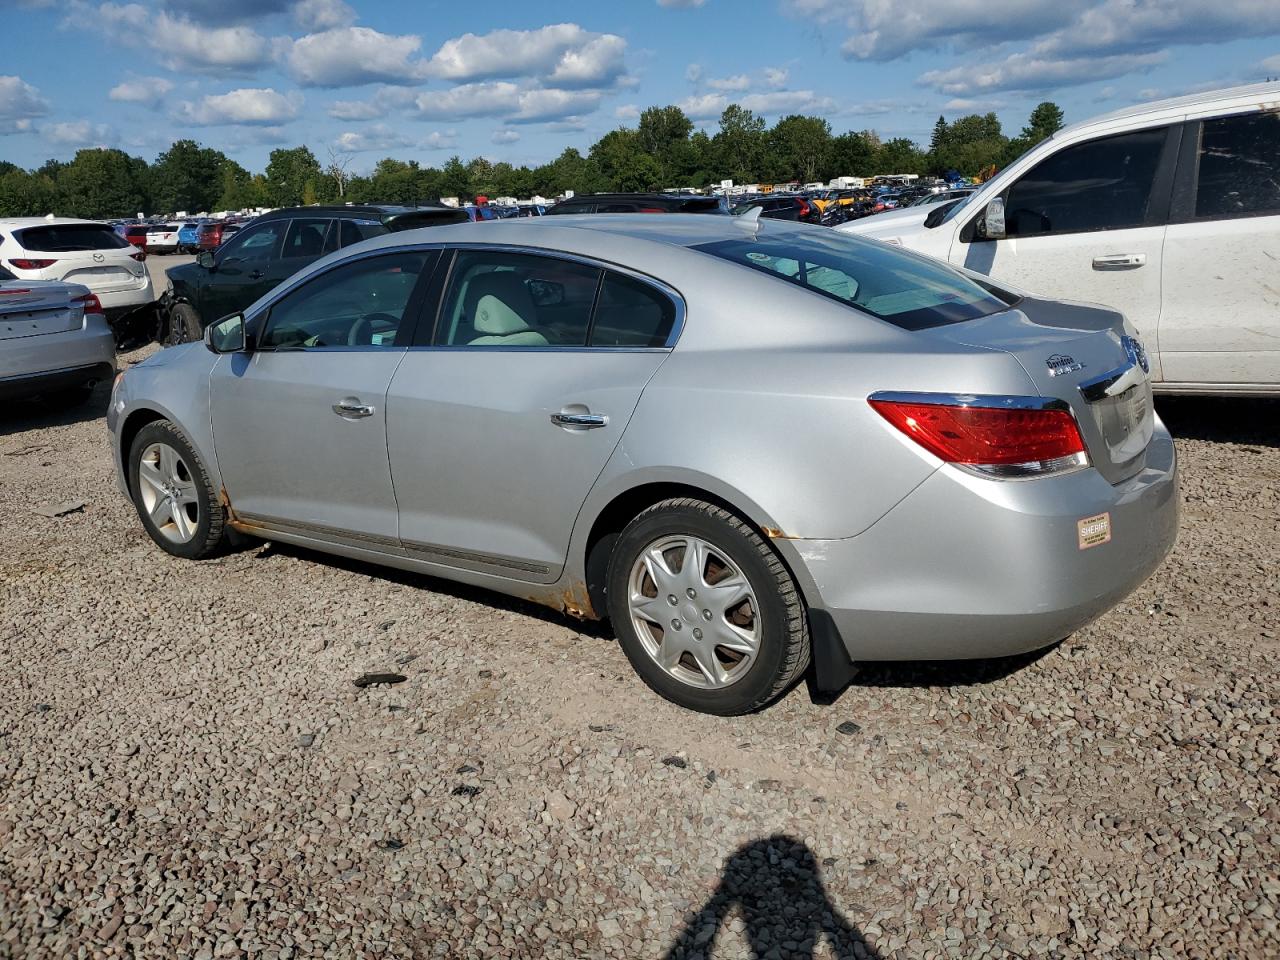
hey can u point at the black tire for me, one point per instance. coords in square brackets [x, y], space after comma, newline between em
[184, 324]
[210, 535]
[783, 652]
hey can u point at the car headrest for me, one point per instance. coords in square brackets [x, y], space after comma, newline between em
[503, 304]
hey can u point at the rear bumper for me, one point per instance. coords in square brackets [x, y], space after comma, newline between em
[121, 301]
[966, 567]
[30, 366]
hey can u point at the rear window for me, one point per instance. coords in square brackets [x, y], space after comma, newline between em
[353, 231]
[66, 237]
[893, 286]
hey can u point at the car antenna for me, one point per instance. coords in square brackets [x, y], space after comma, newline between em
[751, 221]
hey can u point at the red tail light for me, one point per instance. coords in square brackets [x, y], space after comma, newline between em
[91, 303]
[1006, 436]
[804, 208]
[24, 263]
[650, 210]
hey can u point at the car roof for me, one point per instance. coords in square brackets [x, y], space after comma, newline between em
[356, 210]
[20, 222]
[1265, 96]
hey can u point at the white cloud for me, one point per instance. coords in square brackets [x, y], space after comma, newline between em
[178, 41]
[1026, 71]
[383, 102]
[562, 53]
[970, 105]
[501, 98]
[693, 73]
[1271, 65]
[468, 100]
[352, 56]
[148, 90]
[704, 106]
[441, 141]
[1116, 25]
[788, 101]
[776, 76]
[505, 136]
[263, 106]
[681, 4]
[628, 111]
[737, 82]
[79, 133]
[20, 102]
[222, 12]
[316, 15]
[376, 137]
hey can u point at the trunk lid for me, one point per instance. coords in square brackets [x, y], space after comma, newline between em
[1081, 355]
[33, 308]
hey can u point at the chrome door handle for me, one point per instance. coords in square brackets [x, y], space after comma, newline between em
[350, 408]
[1119, 261]
[586, 421]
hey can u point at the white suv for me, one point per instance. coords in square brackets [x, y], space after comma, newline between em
[78, 251]
[1168, 212]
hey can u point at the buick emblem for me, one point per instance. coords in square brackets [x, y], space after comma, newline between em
[1136, 352]
[1060, 364]
[98, 258]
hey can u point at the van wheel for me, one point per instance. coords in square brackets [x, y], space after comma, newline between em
[705, 610]
[173, 495]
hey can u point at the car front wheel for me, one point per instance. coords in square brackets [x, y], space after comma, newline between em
[705, 610]
[173, 494]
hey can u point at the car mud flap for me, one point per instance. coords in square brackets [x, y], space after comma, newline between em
[833, 668]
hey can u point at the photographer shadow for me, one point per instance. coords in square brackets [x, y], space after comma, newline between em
[775, 887]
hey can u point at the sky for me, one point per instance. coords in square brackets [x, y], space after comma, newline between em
[519, 80]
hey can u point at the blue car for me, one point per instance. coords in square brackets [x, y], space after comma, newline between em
[188, 239]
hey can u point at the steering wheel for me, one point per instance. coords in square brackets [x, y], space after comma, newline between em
[361, 334]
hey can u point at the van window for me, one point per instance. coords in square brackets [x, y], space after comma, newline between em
[1239, 166]
[1103, 184]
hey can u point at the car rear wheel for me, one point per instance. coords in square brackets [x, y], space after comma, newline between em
[184, 324]
[705, 610]
[173, 495]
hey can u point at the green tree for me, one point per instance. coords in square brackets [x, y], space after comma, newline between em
[740, 144]
[24, 194]
[968, 144]
[624, 164]
[187, 177]
[100, 183]
[1046, 120]
[939, 135]
[663, 133]
[899, 155]
[455, 181]
[288, 171]
[854, 155]
[801, 147]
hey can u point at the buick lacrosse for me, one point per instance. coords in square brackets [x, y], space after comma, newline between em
[756, 447]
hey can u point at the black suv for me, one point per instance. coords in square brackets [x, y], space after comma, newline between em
[270, 249]
[640, 203]
[774, 206]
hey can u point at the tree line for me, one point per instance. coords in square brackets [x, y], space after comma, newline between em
[662, 150]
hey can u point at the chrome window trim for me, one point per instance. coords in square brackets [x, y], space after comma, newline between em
[674, 295]
[677, 325]
[999, 401]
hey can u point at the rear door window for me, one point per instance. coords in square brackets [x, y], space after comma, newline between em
[631, 313]
[498, 299]
[1238, 171]
[305, 237]
[68, 237]
[908, 291]
[1102, 184]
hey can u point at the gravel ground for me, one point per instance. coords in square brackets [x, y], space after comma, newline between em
[187, 770]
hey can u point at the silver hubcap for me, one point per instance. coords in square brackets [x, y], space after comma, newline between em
[694, 611]
[168, 492]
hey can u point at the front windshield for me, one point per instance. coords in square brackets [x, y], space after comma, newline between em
[955, 207]
[910, 292]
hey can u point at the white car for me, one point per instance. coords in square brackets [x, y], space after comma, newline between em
[78, 251]
[163, 238]
[1168, 212]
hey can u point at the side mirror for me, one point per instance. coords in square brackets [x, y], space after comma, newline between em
[992, 225]
[205, 259]
[226, 335]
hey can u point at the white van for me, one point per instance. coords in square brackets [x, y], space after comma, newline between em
[1168, 212]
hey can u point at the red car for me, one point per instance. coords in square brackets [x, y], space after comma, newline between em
[136, 234]
[213, 235]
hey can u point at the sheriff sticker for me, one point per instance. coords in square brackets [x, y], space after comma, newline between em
[1093, 531]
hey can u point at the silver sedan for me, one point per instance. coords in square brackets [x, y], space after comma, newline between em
[758, 448]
